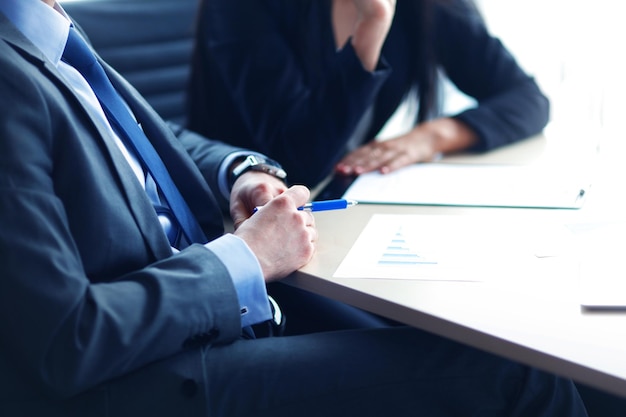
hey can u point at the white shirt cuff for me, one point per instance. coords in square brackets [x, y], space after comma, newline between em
[246, 273]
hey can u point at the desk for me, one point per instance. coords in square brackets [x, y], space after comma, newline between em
[536, 320]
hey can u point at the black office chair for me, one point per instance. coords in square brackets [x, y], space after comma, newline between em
[149, 42]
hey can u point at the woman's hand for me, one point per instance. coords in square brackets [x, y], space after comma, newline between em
[424, 143]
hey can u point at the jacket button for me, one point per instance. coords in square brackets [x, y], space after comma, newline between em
[208, 337]
[201, 339]
[190, 342]
[189, 388]
[213, 333]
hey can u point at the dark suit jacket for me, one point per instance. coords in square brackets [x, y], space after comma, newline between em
[89, 288]
[266, 77]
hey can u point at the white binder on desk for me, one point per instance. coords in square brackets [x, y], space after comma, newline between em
[485, 185]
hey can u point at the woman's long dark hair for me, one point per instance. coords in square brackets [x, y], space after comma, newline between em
[422, 15]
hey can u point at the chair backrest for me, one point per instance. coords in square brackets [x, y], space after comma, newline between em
[149, 42]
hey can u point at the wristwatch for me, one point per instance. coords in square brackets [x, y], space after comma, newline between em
[258, 163]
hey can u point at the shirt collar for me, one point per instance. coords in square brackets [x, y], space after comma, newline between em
[45, 27]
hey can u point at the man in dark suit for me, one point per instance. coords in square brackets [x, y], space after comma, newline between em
[103, 313]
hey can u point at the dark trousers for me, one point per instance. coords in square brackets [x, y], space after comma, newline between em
[395, 371]
[390, 370]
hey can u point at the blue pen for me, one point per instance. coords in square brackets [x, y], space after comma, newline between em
[324, 205]
[328, 205]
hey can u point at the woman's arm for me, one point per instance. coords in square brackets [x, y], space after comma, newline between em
[510, 105]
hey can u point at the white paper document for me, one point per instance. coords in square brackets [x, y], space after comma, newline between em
[482, 185]
[448, 248]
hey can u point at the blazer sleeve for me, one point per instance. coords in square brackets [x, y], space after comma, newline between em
[299, 112]
[510, 105]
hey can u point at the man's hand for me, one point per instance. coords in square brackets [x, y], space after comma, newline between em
[423, 143]
[250, 190]
[281, 236]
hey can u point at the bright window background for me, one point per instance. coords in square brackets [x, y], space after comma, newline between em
[574, 49]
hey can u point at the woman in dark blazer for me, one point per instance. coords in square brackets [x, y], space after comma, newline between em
[288, 78]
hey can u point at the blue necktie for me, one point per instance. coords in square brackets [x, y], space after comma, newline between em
[79, 55]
